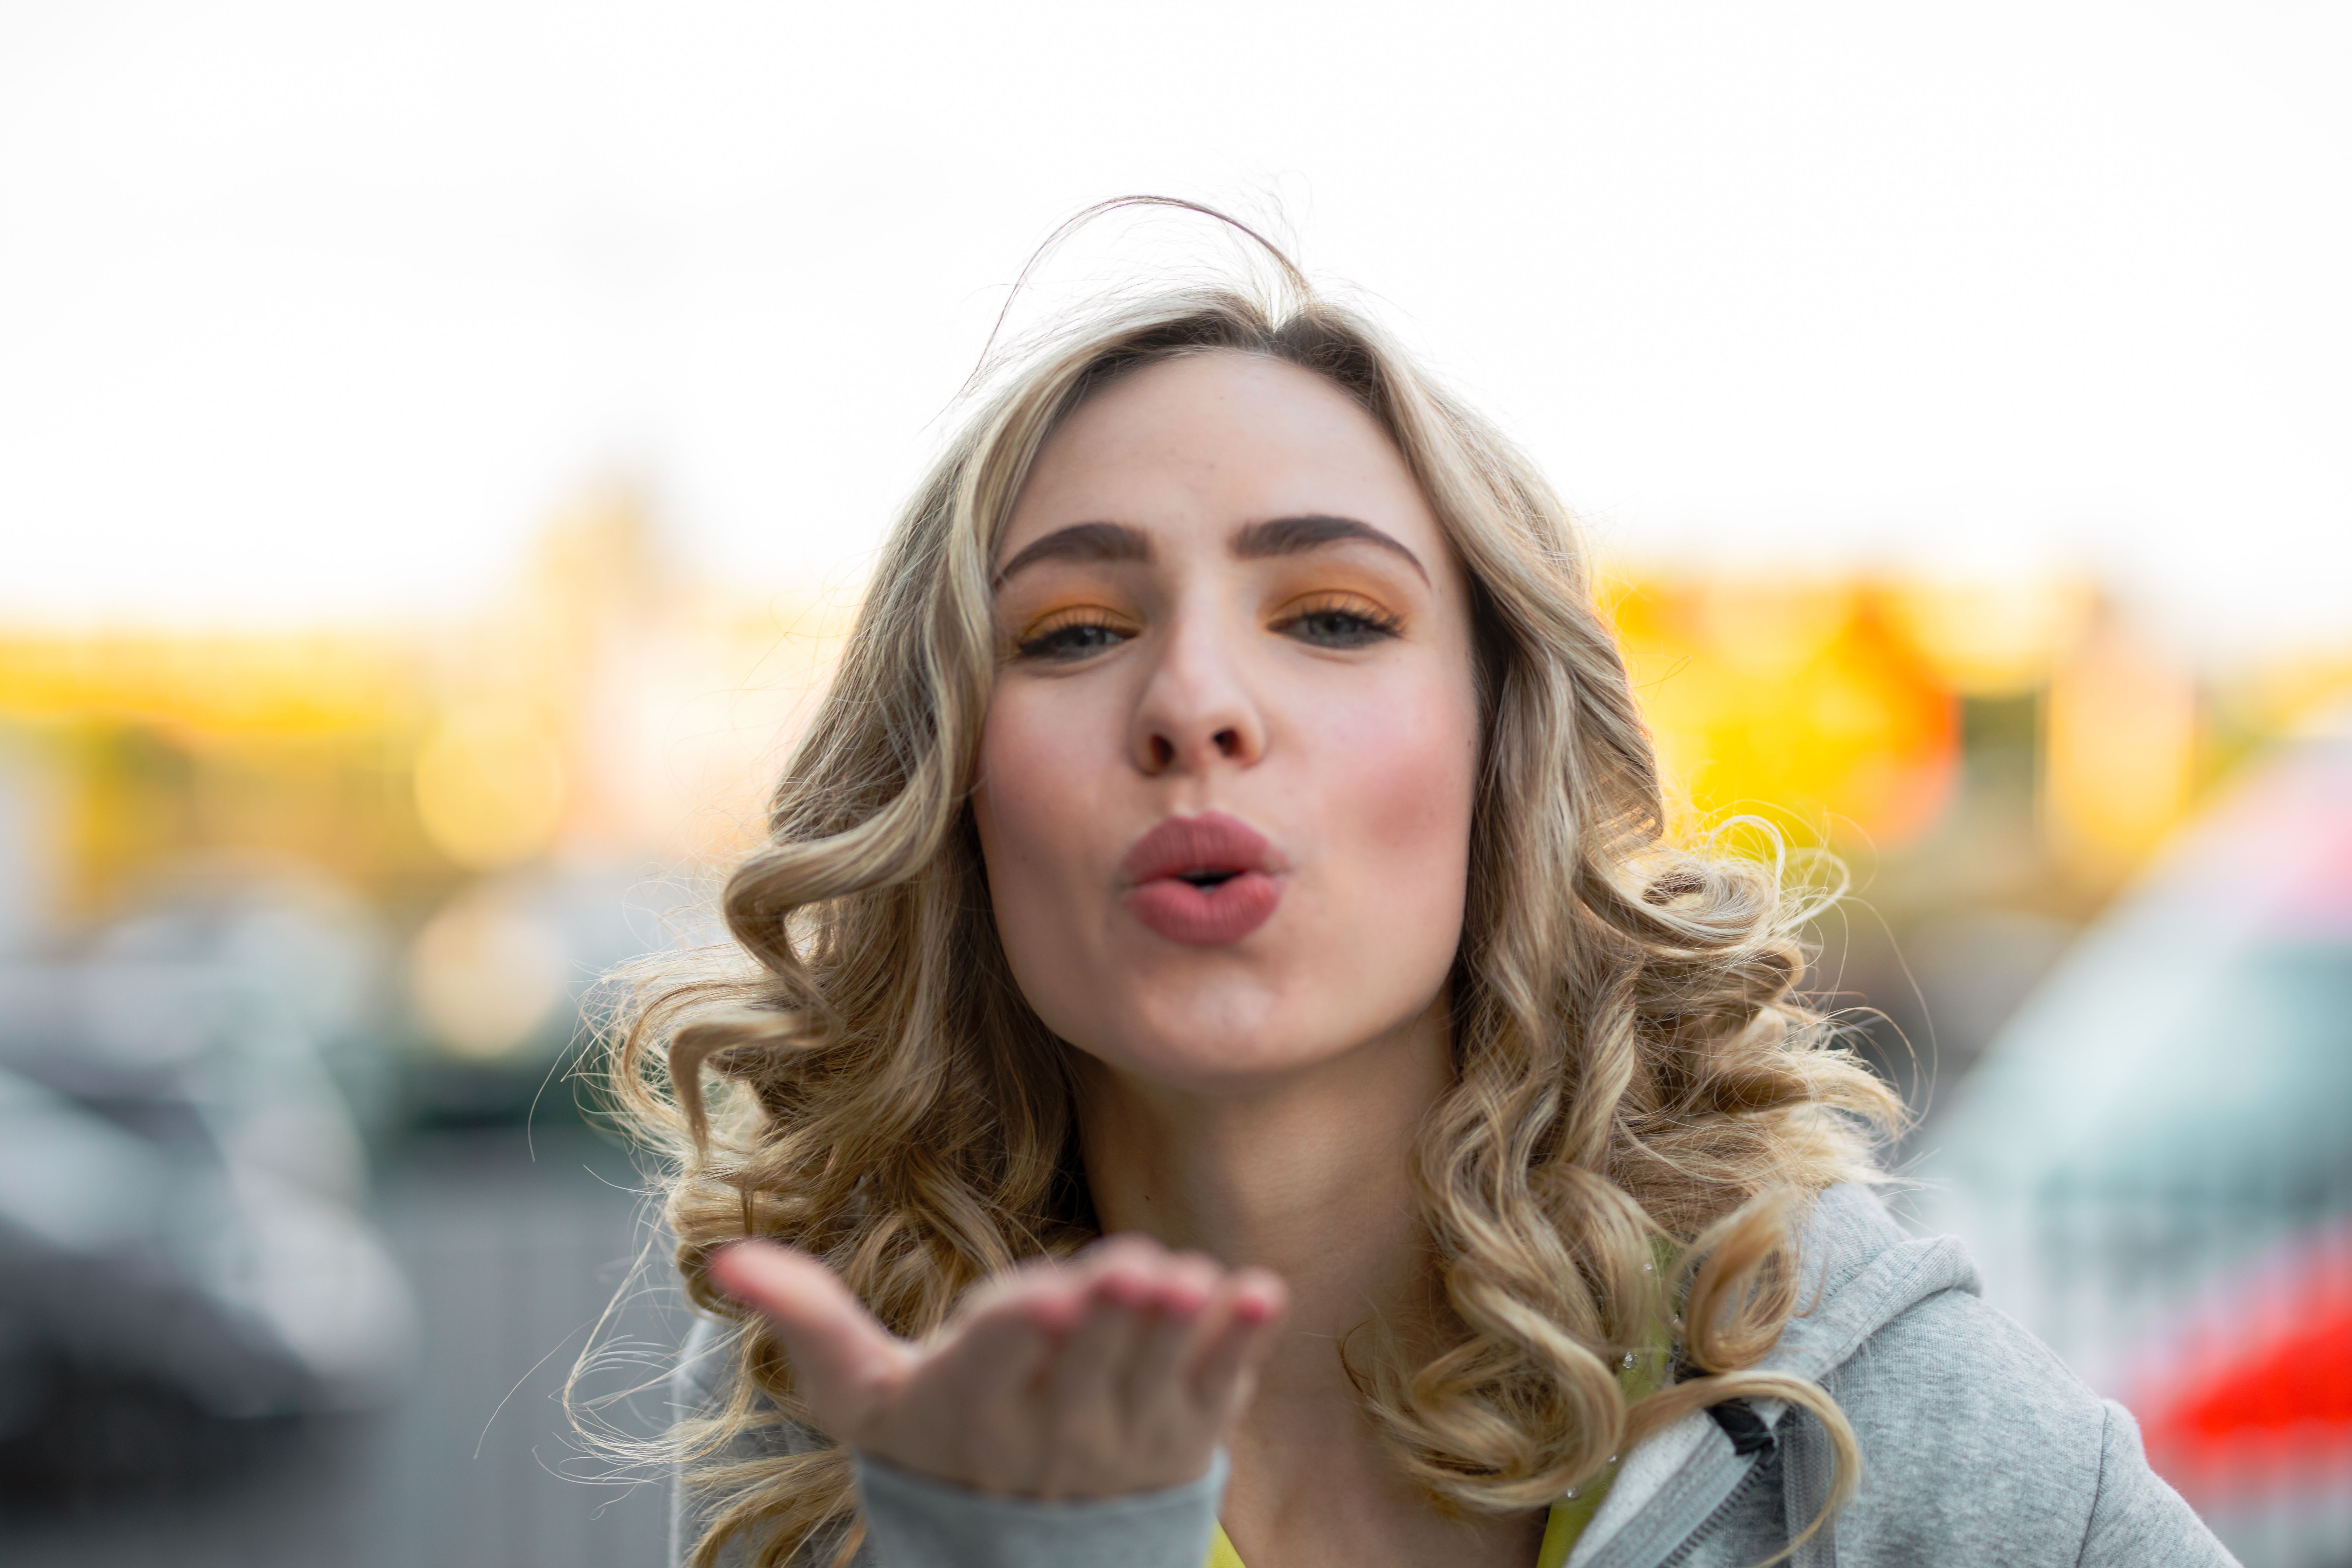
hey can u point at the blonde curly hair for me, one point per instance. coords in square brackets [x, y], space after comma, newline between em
[1636, 1079]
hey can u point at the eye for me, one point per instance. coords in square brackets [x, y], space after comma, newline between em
[1065, 639]
[1340, 623]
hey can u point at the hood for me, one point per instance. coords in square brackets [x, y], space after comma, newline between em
[1860, 1272]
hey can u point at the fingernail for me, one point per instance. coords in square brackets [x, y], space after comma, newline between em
[1056, 1317]
[721, 1263]
[1122, 1289]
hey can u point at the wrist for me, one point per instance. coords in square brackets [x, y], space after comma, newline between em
[916, 1522]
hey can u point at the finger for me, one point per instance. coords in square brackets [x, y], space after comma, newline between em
[843, 1360]
[1082, 1379]
[1123, 1267]
[1226, 1370]
[1050, 1293]
[1172, 1334]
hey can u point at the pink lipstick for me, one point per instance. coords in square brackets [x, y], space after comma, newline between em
[1204, 881]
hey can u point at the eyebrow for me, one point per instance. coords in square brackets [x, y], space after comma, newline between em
[1082, 542]
[1290, 535]
[1116, 541]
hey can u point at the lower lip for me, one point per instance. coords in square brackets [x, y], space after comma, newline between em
[1206, 916]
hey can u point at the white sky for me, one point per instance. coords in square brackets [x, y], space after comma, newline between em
[310, 312]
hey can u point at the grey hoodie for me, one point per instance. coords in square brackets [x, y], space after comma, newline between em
[1978, 1446]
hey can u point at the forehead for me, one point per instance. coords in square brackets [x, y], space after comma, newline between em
[1214, 441]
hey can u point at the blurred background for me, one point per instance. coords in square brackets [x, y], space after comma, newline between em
[441, 446]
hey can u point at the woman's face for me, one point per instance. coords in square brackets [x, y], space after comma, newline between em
[1227, 774]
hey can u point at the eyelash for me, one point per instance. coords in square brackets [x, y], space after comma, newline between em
[1365, 625]
[1371, 624]
[1043, 645]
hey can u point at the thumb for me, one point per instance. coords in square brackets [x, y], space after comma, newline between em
[845, 1362]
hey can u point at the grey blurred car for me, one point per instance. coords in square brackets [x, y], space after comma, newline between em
[180, 1236]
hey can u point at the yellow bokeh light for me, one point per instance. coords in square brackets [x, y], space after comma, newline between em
[1796, 696]
[490, 788]
[486, 973]
[1767, 630]
[2119, 754]
[208, 686]
[1992, 640]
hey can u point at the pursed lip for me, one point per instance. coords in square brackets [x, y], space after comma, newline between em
[1202, 881]
[1212, 842]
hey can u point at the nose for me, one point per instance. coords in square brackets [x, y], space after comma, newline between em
[1196, 708]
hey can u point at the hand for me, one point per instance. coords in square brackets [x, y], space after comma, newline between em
[1118, 1371]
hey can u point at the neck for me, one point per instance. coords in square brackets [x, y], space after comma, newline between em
[1306, 1175]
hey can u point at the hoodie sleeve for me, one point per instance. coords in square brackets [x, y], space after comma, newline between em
[915, 1522]
[695, 1382]
[2136, 1518]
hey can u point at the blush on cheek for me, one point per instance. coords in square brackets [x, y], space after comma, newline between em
[1418, 801]
[1033, 811]
[1393, 785]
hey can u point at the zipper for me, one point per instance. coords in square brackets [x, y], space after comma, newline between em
[1691, 1542]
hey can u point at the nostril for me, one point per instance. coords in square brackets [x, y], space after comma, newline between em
[1228, 742]
[1163, 751]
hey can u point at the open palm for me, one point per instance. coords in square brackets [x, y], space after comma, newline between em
[1118, 1371]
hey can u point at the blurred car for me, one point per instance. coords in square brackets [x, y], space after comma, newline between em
[179, 1226]
[2153, 1161]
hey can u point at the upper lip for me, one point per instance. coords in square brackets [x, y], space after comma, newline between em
[1211, 842]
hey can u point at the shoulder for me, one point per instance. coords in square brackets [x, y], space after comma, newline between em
[1952, 1395]
[1976, 1438]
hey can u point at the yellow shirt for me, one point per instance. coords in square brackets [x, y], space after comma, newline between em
[1567, 1521]
[1568, 1516]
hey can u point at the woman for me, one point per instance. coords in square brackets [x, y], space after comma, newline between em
[1236, 1071]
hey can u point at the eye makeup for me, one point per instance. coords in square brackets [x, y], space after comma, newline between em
[1335, 618]
[1333, 596]
[1071, 632]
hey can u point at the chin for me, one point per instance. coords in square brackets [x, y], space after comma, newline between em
[1213, 1039]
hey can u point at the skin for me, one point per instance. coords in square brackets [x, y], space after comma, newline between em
[1245, 1108]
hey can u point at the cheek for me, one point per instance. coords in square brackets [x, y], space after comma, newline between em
[1401, 811]
[1029, 803]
